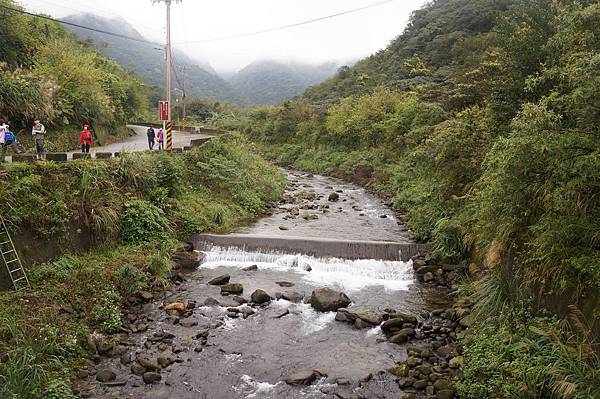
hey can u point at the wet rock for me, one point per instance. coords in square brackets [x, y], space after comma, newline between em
[239, 299]
[146, 296]
[283, 228]
[221, 280]
[188, 260]
[106, 375]
[137, 369]
[247, 311]
[126, 359]
[427, 277]
[282, 314]
[303, 377]
[284, 284]
[119, 383]
[147, 364]
[307, 268]
[233, 315]
[441, 385]
[326, 299]
[445, 394]
[104, 346]
[360, 324]
[358, 312]
[293, 296]
[211, 302]
[252, 268]
[202, 334]
[395, 324]
[343, 381]
[151, 377]
[260, 297]
[178, 307]
[333, 197]
[165, 361]
[427, 269]
[234, 288]
[420, 384]
[413, 362]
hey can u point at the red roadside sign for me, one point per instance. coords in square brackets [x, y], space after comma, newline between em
[163, 109]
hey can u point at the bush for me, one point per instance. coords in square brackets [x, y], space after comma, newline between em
[143, 222]
[107, 312]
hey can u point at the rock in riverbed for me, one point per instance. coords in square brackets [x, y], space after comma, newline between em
[221, 280]
[106, 375]
[234, 288]
[259, 297]
[303, 377]
[358, 312]
[326, 299]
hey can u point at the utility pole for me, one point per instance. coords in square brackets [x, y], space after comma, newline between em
[183, 93]
[168, 63]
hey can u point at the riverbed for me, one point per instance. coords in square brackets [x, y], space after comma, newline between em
[221, 349]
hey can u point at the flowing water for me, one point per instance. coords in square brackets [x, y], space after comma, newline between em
[250, 358]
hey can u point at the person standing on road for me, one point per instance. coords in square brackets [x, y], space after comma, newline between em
[160, 137]
[86, 139]
[39, 133]
[151, 134]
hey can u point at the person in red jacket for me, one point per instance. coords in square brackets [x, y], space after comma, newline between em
[86, 139]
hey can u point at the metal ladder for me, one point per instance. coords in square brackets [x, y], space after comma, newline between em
[11, 259]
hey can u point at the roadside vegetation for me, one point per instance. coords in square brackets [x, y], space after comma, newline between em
[45, 72]
[481, 122]
[136, 209]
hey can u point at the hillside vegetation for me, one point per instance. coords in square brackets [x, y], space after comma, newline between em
[482, 122]
[45, 72]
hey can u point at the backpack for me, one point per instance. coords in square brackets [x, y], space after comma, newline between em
[9, 137]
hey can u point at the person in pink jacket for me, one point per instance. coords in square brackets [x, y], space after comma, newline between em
[160, 137]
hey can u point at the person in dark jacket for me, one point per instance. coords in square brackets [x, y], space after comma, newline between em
[150, 133]
[86, 139]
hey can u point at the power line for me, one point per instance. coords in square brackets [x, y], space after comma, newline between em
[287, 26]
[76, 25]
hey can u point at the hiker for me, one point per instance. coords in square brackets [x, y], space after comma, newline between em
[39, 132]
[160, 137]
[10, 139]
[151, 134]
[3, 130]
[86, 139]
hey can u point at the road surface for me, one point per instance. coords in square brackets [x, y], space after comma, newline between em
[139, 142]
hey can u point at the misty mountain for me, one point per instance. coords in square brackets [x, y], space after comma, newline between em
[262, 82]
[271, 82]
[147, 60]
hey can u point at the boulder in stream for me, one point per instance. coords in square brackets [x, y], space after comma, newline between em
[233, 288]
[328, 300]
[189, 260]
[333, 197]
[221, 280]
[259, 297]
[358, 312]
[303, 377]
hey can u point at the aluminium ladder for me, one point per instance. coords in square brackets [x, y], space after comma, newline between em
[11, 259]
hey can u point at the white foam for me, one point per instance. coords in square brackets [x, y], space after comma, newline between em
[351, 275]
[256, 388]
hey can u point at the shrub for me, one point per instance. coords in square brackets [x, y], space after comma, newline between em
[143, 222]
[107, 312]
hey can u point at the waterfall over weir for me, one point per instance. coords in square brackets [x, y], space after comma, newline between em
[316, 247]
[347, 274]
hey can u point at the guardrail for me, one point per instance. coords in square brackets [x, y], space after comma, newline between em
[64, 157]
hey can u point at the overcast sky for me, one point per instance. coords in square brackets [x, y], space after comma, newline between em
[342, 38]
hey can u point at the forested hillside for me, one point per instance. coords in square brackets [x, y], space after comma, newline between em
[482, 122]
[46, 73]
[271, 82]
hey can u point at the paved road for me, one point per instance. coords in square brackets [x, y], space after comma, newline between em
[139, 142]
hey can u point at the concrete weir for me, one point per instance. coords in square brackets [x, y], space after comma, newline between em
[317, 247]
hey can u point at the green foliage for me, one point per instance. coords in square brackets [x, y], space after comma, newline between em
[143, 223]
[520, 356]
[107, 312]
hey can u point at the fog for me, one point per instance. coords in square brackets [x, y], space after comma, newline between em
[339, 39]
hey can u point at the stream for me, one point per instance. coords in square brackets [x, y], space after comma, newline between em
[225, 349]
